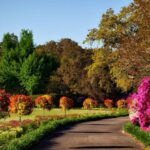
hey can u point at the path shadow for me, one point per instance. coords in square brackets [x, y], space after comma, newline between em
[101, 147]
[94, 124]
[49, 139]
[95, 132]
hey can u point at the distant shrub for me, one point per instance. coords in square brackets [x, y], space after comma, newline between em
[89, 103]
[44, 101]
[66, 103]
[108, 103]
[21, 104]
[122, 103]
[4, 100]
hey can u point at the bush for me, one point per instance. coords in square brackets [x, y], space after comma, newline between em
[139, 105]
[122, 103]
[89, 103]
[21, 104]
[45, 102]
[108, 103]
[4, 100]
[66, 103]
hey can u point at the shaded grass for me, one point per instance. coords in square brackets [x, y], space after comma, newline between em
[139, 134]
[31, 138]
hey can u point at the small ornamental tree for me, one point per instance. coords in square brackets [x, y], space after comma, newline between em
[66, 103]
[44, 102]
[21, 104]
[89, 103]
[122, 103]
[4, 103]
[108, 103]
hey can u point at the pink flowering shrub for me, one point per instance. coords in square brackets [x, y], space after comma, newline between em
[143, 99]
[139, 105]
[133, 108]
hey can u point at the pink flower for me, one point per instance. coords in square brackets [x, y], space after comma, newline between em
[148, 111]
[139, 105]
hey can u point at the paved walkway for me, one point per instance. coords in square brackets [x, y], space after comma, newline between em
[104, 134]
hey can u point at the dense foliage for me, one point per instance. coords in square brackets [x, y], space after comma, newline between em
[139, 105]
[66, 103]
[4, 100]
[23, 70]
[89, 103]
[20, 104]
[108, 103]
[122, 103]
[44, 101]
[124, 40]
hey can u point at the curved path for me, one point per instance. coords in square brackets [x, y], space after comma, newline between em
[105, 134]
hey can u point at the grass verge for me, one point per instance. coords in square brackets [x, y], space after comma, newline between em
[135, 131]
[31, 138]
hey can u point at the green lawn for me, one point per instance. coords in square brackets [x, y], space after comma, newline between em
[57, 111]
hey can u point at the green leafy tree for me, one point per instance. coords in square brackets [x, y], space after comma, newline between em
[35, 72]
[22, 70]
[8, 64]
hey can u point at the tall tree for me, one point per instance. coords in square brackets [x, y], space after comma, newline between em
[8, 65]
[21, 69]
[134, 52]
[71, 75]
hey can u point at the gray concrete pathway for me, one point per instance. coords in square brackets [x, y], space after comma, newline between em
[105, 134]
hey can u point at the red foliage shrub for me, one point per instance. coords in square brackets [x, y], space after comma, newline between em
[108, 103]
[66, 103]
[45, 102]
[21, 104]
[89, 103]
[4, 100]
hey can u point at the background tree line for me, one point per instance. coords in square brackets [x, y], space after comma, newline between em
[112, 69]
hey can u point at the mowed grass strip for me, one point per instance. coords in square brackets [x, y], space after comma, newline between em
[57, 111]
[135, 131]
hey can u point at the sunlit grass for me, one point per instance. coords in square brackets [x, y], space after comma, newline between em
[57, 111]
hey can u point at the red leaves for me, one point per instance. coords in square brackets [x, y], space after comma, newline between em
[45, 102]
[108, 103]
[90, 103]
[66, 103]
[4, 100]
[21, 104]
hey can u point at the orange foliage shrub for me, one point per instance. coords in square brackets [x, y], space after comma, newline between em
[89, 103]
[44, 101]
[66, 103]
[121, 103]
[108, 103]
[20, 104]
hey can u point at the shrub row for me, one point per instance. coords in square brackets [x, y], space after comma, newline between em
[30, 138]
[138, 133]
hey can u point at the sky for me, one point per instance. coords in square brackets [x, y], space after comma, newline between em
[54, 19]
